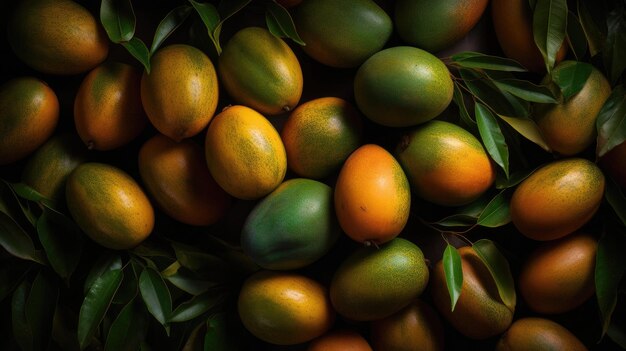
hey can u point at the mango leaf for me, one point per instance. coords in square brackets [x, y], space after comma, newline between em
[527, 90]
[595, 30]
[40, 307]
[128, 328]
[609, 271]
[9, 196]
[211, 19]
[498, 266]
[196, 260]
[217, 336]
[139, 50]
[484, 91]
[156, 295]
[459, 100]
[26, 192]
[492, 137]
[615, 47]
[12, 273]
[453, 271]
[61, 240]
[129, 287]
[611, 121]
[571, 79]
[617, 333]
[118, 19]
[280, 23]
[105, 263]
[16, 241]
[616, 199]
[169, 24]
[549, 28]
[188, 282]
[514, 179]
[496, 214]
[21, 328]
[197, 306]
[96, 304]
[576, 38]
[527, 128]
[471, 59]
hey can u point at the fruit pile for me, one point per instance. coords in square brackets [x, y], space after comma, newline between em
[313, 175]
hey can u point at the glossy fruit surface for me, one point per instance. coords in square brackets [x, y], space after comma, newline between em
[533, 333]
[340, 340]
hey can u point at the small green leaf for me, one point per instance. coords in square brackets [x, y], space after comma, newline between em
[572, 78]
[156, 295]
[466, 215]
[513, 180]
[21, 329]
[26, 192]
[453, 272]
[528, 129]
[96, 304]
[498, 266]
[196, 306]
[594, 30]
[576, 36]
[105, 263]
[139, 50]
[16, 241]
[186, 281]
[496, 214]
[129, 287]
[527, 90]
[280, 23]
[211, 19]
[549, 28]
[61, 240]
[470, 59]
[611, 121]
[40, 307]
[459, 100]
[128, 328]
[616, 199]
[196, 260]
[609, 271]
[492, 137]
[485, 91]
[169, 24]
[118, 19]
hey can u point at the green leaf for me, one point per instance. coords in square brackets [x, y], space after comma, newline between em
[470, 59]
[280, 23]
[528, 129]
[129, 287]
[549, 28]
[6, 205]
[594, 29]
[611, 121]
[616, 199]
[105, 263]
[40, 307]
[460, 102]
[496, 214]
[498, 266]
[217, 337]
[169, 24]
[453, 272]
[615, 47]
[118, 19]
[128, 328]
[139, 50]
[26, 192]
[527, 90]
[571, 79]
[196, 306]
[485, 91]
[211, 19]
[156, 295]
[617, 333]
[61, 240]
[96, 304]
[196, 260]
[11, 275]
[610, 268]
[492, 137]
[186, 281]
[16, 241]
[467, 215]
[576, 38]
[21, 328]
[513, 180]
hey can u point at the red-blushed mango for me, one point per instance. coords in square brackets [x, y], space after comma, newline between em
[57, 36]
[558, 276]
[479, 312]
[109, 206]
[29, 113]
[435, 25]
[614, 164]
[320, 134]
[244, 153]
[342, 34]
[534, 333]
[180, 93]
[569, 127]
[376, 282]
[107, 109]
[259, 70]
[284, 308]
[416, 327]
[445, 164]
[47, 169]
[175, 174]
[513, 23]
[402, 86]
[557, 199]
[372, 196]
[340, 340]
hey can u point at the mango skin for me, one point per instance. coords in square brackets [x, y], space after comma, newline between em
[292, 227]
[533, 333]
